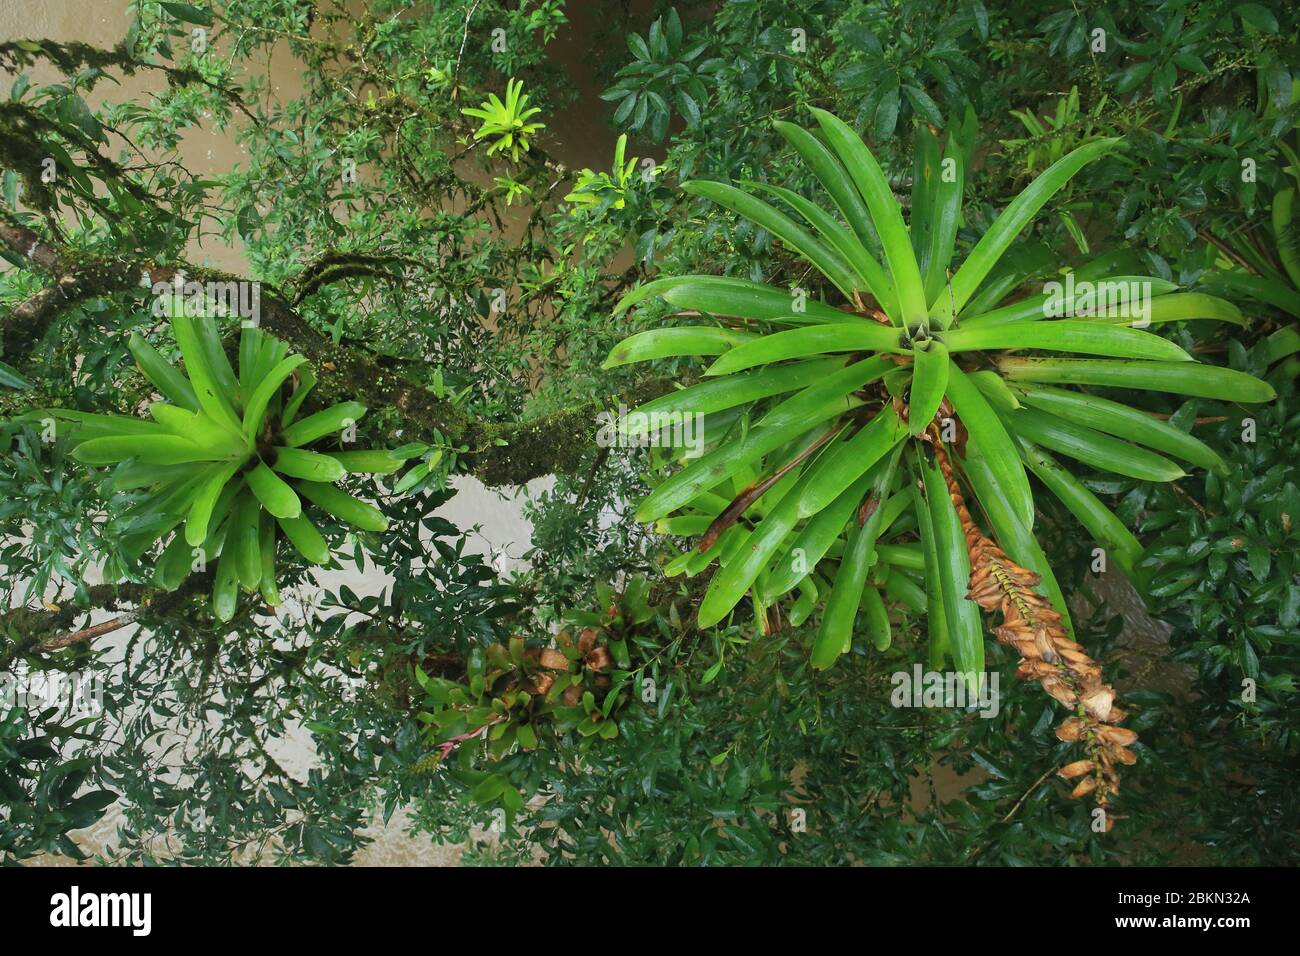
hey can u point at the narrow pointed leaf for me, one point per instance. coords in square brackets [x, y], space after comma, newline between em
[929, 382]
[1092, 447]
[1018, 214]
[965, 631]
[197, 524]
[885, 214]
[1181, 378]
[1049, 305]
[811, 340]
[1106, 529]
[343, 506]
[329, 421]
[727, 392]
[214, 399]
[1067, 335]
[828, 261]
[835, 633]
[667, 343]
[795, 416]
[369, 462]
[989, 436]
[255, 407]
[297, 463]
[167, 379]
[723, 295]
[1123, 421]
[149, 449]
[831, 174]
[871, 275]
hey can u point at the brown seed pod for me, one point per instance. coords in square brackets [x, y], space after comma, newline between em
[1060, 690]
[1072, 654]
[542, 683]
[1043, 641]
[1084, 787]
[1098, 702]
[1116, 735]
[1076, 769]
[1036, 630]
[1071, 729]
[1123, 755]
[1035, 670]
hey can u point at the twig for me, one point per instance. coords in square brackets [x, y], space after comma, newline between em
[90, 633]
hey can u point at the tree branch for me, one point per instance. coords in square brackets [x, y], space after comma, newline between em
[532, 448]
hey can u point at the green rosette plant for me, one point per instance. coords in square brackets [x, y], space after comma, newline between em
[826, 425]
[506, 123]
[226, 460]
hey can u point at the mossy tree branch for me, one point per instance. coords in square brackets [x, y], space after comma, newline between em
[499, 453]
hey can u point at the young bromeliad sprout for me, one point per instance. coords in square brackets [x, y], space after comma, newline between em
[592, 188]
[225, 461]
[830, 428]
[506, 123]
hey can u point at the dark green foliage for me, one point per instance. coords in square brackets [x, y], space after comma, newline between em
[400, 265]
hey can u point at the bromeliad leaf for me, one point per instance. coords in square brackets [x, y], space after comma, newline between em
[666, 343]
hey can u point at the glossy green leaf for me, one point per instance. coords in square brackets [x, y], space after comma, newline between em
[169, 382]
[1067, 335]
[1122, 421]
[811, 340]
[929, 382]
[831, 174]
[728, 392]
[255, 407]
[835, 632]
[302, 534]
[343, 505]
[297, 463]
[871, 275]
[827, 260]
[723, 295]
[1181, 378]
[885, 213]
[965, 631]
[328, 421]
[197, 524]
[667, 343]
[1092, 447]
[1018, 214]
[1100, 521]
[989, 436]
[793, 417]
[273, 492]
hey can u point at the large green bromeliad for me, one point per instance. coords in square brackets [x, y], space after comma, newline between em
[225, 456]
[829, 429]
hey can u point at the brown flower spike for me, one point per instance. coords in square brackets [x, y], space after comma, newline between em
[1047, 655]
